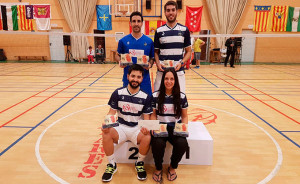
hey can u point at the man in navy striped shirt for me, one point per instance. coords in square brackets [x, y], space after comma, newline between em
[131, 103]
[170, 42]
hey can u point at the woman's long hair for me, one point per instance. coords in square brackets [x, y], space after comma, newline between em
[175, 94]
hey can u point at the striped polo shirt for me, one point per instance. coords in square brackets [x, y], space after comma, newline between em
[172, 42]
[168, 117]
[130, 107]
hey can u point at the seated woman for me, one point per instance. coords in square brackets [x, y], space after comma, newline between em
[169, 106]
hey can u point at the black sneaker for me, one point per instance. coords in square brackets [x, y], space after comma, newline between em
[141, 172]
[109, 172]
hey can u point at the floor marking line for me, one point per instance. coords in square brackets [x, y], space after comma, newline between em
[263, 120]
[258, 100]
[263, 93]
[18, 140]
[37, 94]
[205, 78]
[44, 101]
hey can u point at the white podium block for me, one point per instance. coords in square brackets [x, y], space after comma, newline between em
[200, 149]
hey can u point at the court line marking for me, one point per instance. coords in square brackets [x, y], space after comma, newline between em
[7, 74]
[18, 140]
[252, 112]
[205, 79]
[17, 127]
[60, 180]
[263, 93]
[279, 151]
[263, 120]
[10, 146]
[37, 94]
[259, 100]
[44, 101]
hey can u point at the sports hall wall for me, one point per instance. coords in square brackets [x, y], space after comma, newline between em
[279, 50]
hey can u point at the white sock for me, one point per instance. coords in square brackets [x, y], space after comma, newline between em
[111, 159]
[141, 157]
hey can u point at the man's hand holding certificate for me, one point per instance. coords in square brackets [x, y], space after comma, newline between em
[126, 60]
[110, 121]
[168, 63]
[143, 60]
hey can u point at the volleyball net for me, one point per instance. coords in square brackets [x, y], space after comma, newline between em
[58, 46]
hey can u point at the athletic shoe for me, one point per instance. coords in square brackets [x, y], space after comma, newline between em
[141, 172]
[197, 66]
[92, 62]
[109, 172]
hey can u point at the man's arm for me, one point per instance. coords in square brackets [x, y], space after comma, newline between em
[156, 57]
[112, 111]
[146, 116]
[203, 43]
[153, 115]
[188, 52]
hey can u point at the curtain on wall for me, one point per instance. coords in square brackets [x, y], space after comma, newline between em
[79, 15]
[225, 16]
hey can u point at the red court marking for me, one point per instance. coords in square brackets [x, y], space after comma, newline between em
[38, 93]
[44, 101]
[263, 93]
[258, 100]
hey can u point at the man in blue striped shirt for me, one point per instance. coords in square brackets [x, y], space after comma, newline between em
[131, 103]
[170, 42]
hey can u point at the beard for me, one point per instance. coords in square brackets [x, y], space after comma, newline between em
[133, 86]
[171, 21]
[135, 30]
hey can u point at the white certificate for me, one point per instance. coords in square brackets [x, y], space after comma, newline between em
[149, 124]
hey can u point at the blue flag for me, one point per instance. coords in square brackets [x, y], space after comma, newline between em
[103, 17]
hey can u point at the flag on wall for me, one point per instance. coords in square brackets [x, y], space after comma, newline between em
[25, 13]
[103, 17]
[193, 18]
[1, 27]
[293, 23]
[261, 18]
[4, 18]
[12, 18]
[279, 18]
[149, 27]
[42, 14]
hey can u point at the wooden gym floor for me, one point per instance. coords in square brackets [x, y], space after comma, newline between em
[50, 116]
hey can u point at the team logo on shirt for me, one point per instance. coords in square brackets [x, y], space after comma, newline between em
[163, 34]
[126, 108]
[129, 108]
[128, 43]
[168, 109]
[122, 97]
[179, 34]
[145, 44]
[165, 108]
[140, 101]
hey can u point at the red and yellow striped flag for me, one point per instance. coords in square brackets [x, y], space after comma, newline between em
[1, 27]
[279, 18]
[261, 18]
[24, 23]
